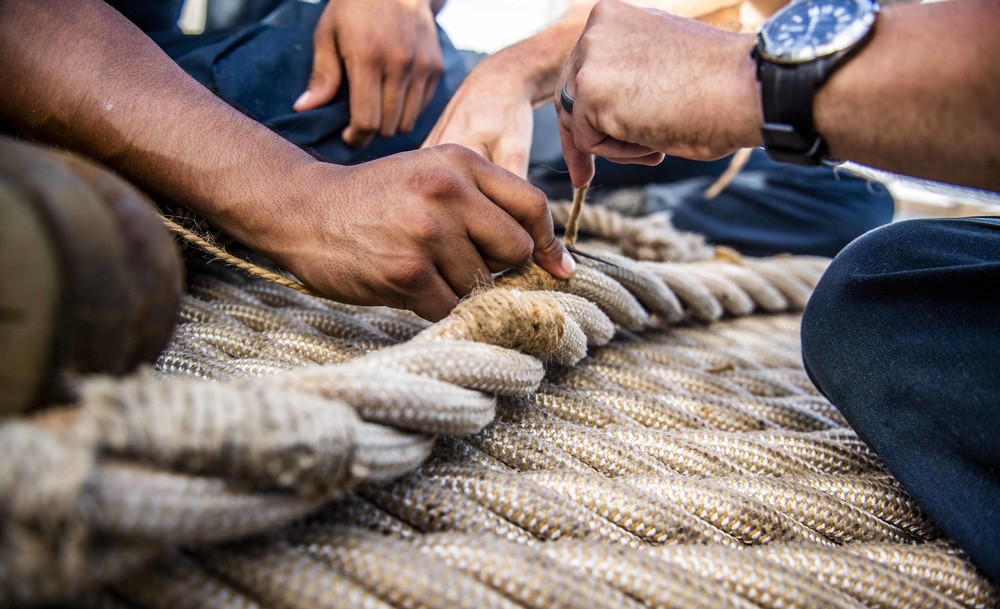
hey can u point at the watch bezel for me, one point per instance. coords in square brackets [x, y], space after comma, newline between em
[845, 39]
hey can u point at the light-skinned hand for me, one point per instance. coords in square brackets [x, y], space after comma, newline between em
[491, 114]
[645, 83]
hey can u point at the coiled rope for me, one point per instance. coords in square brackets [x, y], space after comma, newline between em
[652, 465]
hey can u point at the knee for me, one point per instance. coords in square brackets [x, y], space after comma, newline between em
[845, 321]
[891, 301]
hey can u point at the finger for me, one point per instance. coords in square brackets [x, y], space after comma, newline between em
[462, 267]
[651, 159]
[441, 133]
[414, 104]
[579, 163]
[395, 91]
[365, 104]
[327, 73]
[427, 74]
[500, 239]
[430, 87]
[611, 148]
[495, 266]
[433, 301]
[529, 207]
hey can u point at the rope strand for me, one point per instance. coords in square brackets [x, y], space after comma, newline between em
[219, 253]
[573, 224]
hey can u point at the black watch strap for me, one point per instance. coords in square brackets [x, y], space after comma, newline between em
[787, 92]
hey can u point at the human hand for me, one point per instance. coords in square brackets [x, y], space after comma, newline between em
[491, 114]
[416, 230]
[646, 82]
[392, 56]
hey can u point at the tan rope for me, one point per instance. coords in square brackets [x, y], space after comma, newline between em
[647, 469]
[205, 244]
[573, 223]
[649, 238]
[737, 163]
[660, 472]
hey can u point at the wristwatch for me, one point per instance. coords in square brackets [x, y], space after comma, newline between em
[797, 50]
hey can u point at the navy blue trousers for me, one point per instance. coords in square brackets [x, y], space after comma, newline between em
[903, 335]
[770, 208]
[262, 67]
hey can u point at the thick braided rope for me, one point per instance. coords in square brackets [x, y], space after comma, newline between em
[683, 438]
[699, 487]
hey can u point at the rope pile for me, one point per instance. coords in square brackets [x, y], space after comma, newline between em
[621, 454]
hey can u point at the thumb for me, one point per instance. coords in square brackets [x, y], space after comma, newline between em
[550, 254]
[327, 74]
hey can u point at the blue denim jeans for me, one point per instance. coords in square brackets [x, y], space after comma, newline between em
[903, 335]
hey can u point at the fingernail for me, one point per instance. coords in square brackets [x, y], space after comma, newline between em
[568, 264]
[302, 100]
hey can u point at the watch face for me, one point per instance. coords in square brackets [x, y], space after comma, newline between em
[807, 29]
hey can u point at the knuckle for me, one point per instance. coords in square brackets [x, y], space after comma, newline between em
[422, 67]
[584, 78]
[317, 78]
[434, 65]
[439, 183]
[428, 229]
[369, 53]
[411, 274]
[521, 248]
[603, 7]
[403, 59]
[366, 123]
[538, 203]
[457, 152]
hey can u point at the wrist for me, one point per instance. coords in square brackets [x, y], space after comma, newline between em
[515, 74]
[536, 62]
[269, 209]
[744, 95]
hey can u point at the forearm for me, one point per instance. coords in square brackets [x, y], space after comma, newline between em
[922, 97]
[87, 79]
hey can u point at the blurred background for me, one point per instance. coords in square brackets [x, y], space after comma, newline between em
[486, 26]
